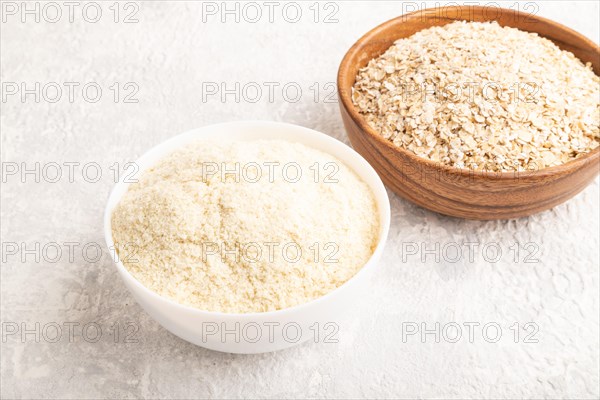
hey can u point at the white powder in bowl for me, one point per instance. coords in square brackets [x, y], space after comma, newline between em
[246, 226]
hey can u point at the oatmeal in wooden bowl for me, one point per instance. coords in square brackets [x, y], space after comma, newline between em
[481, 119]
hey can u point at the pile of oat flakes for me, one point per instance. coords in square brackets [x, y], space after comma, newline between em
[481, 96]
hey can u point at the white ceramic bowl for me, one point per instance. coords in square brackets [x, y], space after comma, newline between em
[256, 332]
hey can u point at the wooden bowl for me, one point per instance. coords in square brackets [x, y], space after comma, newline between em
[464, 193]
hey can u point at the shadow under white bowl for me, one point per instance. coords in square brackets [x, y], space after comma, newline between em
[255, 332]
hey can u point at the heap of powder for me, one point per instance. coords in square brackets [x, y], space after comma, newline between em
[247, 226]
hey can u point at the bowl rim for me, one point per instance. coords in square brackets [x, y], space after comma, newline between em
[384, 215]
[592, 157]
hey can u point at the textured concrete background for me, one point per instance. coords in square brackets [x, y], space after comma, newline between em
[547, 291]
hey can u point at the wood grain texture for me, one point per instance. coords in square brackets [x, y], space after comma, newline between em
[447, 190]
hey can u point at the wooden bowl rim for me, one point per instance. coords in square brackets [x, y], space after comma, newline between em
[345, 97]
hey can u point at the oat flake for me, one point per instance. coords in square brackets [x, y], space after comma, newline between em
[481, 96]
